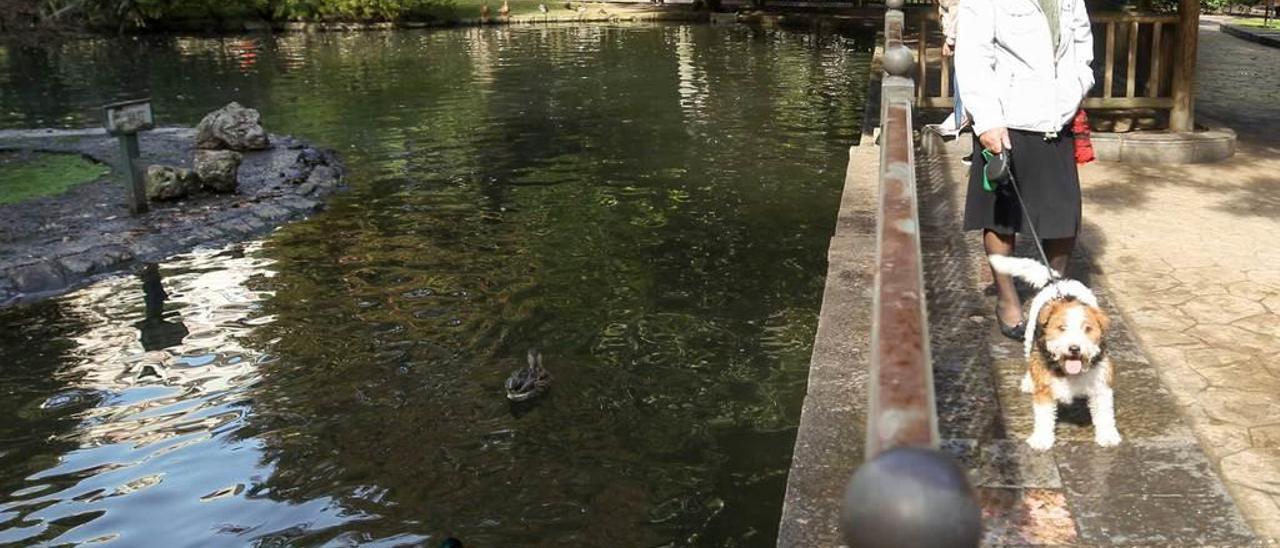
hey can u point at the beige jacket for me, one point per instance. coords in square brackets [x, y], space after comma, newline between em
[948, 12]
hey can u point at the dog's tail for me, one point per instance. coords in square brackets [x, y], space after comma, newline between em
[1027, 270]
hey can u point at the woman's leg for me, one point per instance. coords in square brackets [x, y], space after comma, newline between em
[1059, 252]
[1008, 305]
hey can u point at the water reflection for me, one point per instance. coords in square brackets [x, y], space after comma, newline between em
[341, 382]
[157, 333]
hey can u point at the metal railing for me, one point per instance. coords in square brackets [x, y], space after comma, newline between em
[907, 493]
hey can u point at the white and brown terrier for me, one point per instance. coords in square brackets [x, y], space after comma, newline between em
[1065, 350]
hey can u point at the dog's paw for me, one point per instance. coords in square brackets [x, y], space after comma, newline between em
[1108, 437]
[1041, 441]
[1027, 386]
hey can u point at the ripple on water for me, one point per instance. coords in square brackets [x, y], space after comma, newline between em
[650, 205]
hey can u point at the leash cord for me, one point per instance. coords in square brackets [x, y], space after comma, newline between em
[1031, 225]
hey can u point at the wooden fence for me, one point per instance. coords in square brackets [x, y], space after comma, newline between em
[1142, 72]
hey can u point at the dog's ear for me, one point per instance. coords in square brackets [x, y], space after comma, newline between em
[1046, 312]
[1099, 317]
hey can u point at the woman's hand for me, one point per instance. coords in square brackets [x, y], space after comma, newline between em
[995, 139]
[947, 50]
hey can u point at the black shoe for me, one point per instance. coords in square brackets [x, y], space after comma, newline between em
[1015, 332]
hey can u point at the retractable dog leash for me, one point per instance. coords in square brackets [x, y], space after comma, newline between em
[999, 170]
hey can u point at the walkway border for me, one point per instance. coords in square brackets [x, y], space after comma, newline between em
[1244, 34]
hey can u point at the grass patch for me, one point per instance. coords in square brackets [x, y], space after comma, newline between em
[29, 175]
[1256, 22]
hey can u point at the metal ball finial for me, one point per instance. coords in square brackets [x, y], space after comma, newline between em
[899, 60]
[894, 4]
[911, 497]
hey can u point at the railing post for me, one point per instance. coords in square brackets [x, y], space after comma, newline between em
[907, 493]
[1182, 118]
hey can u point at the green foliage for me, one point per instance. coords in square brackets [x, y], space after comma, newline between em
[363, 10]
[195, 9]
[23, 177]
[141, 13]
[1214, 6]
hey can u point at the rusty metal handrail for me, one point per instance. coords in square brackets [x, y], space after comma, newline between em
[907, 493]
[901, 395]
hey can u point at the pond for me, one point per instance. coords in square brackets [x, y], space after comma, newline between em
[648, 205]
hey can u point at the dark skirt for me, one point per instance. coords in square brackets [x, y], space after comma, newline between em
[1049, 183]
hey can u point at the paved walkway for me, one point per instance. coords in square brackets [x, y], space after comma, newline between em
[1158, 488]
[1189, 255]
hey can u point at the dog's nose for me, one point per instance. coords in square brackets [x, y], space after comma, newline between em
[1075, 348]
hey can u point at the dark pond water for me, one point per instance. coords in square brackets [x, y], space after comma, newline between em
[648, 205]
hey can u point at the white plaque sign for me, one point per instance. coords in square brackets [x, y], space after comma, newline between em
[129, 117]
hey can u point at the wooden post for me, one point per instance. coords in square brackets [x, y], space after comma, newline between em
[1109, 68]
[922, 61]
[1131, 79]
[124, 120]
[1182, 117]
[1153, 80]
[136, 181]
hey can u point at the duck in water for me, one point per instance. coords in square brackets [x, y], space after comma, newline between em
[530, 381]
[505, 10]
[484, 13]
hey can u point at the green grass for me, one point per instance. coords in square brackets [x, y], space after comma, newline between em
[23, 176]
[1255, 22]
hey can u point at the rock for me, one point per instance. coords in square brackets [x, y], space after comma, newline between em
[305, 189]
[295, 176]
[324, 176]
[234, 127]
[80, 264]
[311, 157]
[170, 183]
[36, 277]
[218, 169]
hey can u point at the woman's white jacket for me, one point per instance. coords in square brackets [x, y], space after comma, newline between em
[1007, 70]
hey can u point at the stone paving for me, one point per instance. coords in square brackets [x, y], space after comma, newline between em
[1157, 488]
[1188, 255]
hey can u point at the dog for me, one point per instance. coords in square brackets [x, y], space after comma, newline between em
[1066, 351]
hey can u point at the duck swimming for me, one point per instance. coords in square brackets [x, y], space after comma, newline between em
[529, 381]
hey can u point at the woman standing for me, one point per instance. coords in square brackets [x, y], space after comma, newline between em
[948, 12]
[1024, 68]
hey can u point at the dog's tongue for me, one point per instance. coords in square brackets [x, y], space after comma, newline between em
[1073, 366]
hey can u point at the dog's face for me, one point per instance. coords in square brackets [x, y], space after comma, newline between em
[1070, 333]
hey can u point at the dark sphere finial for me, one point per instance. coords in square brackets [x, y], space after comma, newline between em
[911, 497]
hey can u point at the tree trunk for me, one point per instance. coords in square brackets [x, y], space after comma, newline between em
[1182, 117]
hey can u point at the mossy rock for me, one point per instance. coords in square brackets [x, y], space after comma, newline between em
[27, 175]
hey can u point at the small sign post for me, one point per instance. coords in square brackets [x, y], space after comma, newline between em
[124, 120]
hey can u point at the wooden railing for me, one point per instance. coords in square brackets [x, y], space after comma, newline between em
[1142, 73]
[1158, 57]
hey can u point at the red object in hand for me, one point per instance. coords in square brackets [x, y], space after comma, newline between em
[1084, 146]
